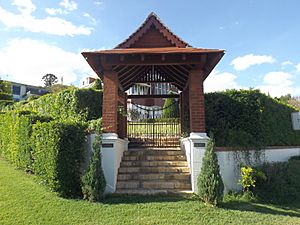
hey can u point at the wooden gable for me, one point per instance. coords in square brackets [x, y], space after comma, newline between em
[153, 34]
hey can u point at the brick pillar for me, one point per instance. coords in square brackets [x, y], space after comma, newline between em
[125, 117]
[196, 101]
[110, 102]
[181, 112]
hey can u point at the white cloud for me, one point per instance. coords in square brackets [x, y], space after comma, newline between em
[68, 5]
[52, 11]
[244, 62]
[24, 6]
[98, 2]
[49, 25]
[93, 21]
[278, 83]
[27, 60]
[298, 67]
[220, 81]
[286, 63]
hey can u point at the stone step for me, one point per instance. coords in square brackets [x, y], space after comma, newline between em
[154, 176]
[153, 163]
[155, 158]
[153, 152]
[153, 192]
[158, 169]
[161, 185]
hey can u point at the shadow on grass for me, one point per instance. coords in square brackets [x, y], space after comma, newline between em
[284, 210]
[133, 199]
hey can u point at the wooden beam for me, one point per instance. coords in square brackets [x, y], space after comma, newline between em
[155, 59]
[179, 81]
[129, 71]
[179, 71]
[171, 73]
[134, 75]
[123, 68]
[153, 96]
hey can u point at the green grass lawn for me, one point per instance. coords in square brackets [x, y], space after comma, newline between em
[24, 201]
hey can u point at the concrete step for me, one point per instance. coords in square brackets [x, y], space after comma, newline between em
[155, 158]
[154, 176]
[153, 163]
[153, 185]
[158, 169]
[153, 152]
[153, 192]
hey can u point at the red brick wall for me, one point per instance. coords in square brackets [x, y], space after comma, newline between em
[196, 101]
[110, 101]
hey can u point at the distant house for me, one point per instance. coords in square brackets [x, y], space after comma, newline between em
[23, 91]
[87, 82]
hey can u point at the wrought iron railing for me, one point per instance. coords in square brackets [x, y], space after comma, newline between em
[154, 134]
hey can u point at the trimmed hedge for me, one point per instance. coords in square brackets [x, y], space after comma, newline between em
[73, 103]
[15, 131]
[282, 184]
[248, 118]
[58, 154]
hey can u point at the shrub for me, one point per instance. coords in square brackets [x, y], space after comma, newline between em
[58, 154]
[73, 103]
[249, 177]
[282, 184]
[249, 119]
[15, 132]
[93, 181]
[209, 182]
[171, 108]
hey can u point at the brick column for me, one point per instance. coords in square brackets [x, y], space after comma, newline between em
[196, 101]
[110, 102]
[125, 117]
[181, 112]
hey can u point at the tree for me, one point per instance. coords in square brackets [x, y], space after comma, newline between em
[97, 84]
[49, 79]
[209, 182]
[5, 94]
[170, 108]
[93, 181]
[57, 88]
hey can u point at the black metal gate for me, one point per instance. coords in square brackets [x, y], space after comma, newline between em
[153, 131]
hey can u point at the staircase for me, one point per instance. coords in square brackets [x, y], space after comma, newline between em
[153, 171]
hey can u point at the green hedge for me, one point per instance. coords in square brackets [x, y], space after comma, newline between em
[73, 103]
[58, 154]
[15, 131]
[248, 118]
[282, 184]
[5, 96]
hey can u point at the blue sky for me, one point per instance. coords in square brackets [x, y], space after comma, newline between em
[261, 37]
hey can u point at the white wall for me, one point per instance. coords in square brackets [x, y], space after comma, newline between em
[230, 161]
[112, 151]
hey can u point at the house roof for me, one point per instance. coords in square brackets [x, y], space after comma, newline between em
[153, 21]
[162, 50]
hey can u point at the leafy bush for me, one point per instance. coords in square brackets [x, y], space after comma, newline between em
[250, 119]
[249, 177]
[209, 181]
[171, 108]
[15, 132]
[58, 154]
[93, 181]
[282, 184]
[73, 103]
